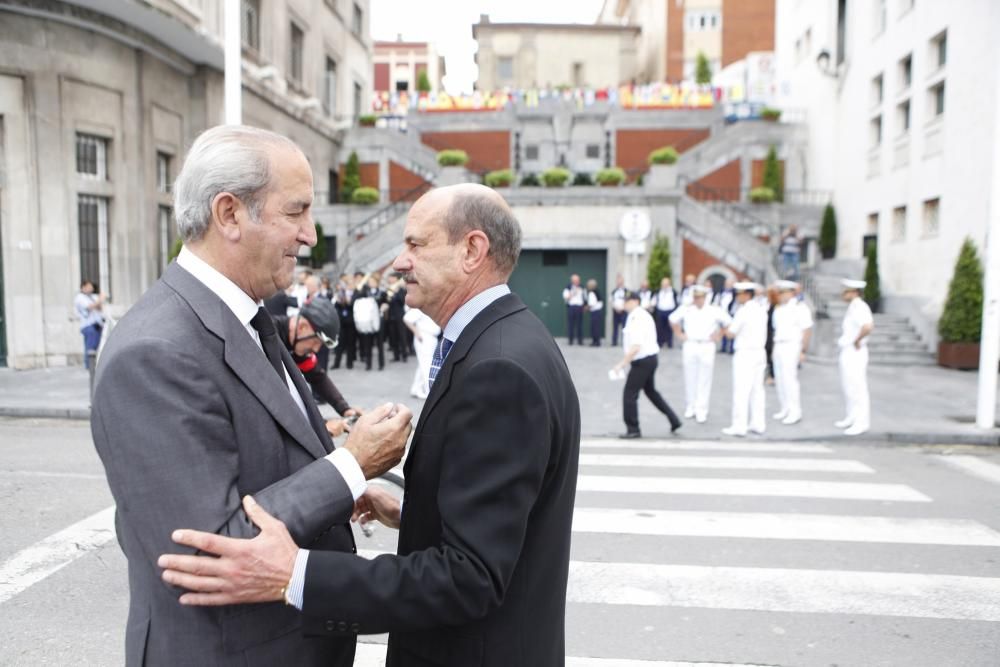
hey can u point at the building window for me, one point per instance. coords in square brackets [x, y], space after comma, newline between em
[332, 187]
[531, 152]
[250, 24]
[357, 20]
[578, 75]
[92, 156]
[162, 172]
[164, 215]
[899, 223]
[939, 50]
[930, 223]
[936, 95]
[505, 68]
[903, 117]
[875, 132]
[92, 214]
[841, 31]
[878, 90]
[593, 151]
[358, 110]
[905, 73]
[296, 49]
[330, 87]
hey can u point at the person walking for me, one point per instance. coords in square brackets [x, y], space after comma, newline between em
[857, 326]
[89, 307]
[425, 339]
[792, 323]
[698, 326]
[595, 306]
[770, 301]
[575, 300]
[749, 333]
[790, 248]
[665, 303]
[618, 307]
[641, 356]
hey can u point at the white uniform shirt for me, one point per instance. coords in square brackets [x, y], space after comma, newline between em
[573, 295]
[665, 300]
[858, 315]
[790, 322]
[700, 324]
[640, 329]
[750, 327]
[593, 302]
[645, 299]
[687, 296]
[618, 299]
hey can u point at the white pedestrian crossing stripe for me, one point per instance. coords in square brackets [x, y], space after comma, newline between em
[725, 463]
[785, 590]
[975, 466]
[706, 446]
[778, 488]
[821, 527]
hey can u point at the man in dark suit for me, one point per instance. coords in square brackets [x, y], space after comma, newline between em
[198, 404]
[480, 579]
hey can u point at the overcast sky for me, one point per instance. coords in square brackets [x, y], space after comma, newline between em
[448, 24]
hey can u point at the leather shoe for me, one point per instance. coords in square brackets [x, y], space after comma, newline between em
[676, 425]
[631, 435]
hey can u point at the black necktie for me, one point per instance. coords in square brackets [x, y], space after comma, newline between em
[264, 325]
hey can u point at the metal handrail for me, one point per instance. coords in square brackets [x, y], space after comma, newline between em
[387, 213]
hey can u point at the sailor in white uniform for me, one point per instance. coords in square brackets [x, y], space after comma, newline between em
[792, 323]
[749, 333]
[853, 342]
[698, 325]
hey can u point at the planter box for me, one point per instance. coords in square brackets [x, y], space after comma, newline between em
[963, 356]
[661, 177]
[453, 176]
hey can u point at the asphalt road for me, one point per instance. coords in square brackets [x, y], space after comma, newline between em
[759, 552]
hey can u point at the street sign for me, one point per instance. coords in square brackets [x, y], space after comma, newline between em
[635, 226]
[635, 247]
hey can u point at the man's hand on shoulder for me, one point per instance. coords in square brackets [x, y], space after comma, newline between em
[378, 439]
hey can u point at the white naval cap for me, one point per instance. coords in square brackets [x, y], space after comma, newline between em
[745, 286]
[699, 289]
[785, 285]
[853, 284]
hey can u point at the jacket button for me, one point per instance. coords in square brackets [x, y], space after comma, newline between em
[342, 626]
[355, 628]
[330, 626]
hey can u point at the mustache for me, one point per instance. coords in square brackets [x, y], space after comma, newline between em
[408, 277]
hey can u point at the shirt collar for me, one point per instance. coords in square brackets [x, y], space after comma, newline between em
[239, 302]
[477, 304]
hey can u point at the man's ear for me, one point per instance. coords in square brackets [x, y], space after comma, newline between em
[227, 210]
[477, 249]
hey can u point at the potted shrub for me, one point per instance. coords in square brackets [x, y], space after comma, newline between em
[582, 178]
[664, 155]
[556, 177]
[365, 196]
[761, 195]
[662, 168]
[612, 176]
[772, 175]
[501, 178]
[530, 180]
[873, 290]
[453, 157]
[367, 120]
[770, 114]
[960, 326]
[828, 233]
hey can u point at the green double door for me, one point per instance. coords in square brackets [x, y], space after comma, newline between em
[541, 276]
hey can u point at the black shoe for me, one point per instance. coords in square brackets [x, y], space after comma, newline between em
[631, 435]
[675, 426]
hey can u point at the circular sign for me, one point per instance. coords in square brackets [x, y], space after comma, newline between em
[635, 225]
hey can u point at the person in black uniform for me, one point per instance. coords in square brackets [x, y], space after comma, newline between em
[347, 344]
[372, 342]
[398, 341]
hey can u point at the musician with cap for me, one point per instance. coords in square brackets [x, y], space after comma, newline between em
[792, 323]
[853, 342]
[749, 333]
[698, 325]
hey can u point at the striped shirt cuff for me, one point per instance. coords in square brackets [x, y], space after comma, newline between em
[296, 586]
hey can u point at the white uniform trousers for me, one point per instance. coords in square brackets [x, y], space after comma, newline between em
[699, 363]
[786, 377]
[748, 390]
[854, 382]
[425, 353]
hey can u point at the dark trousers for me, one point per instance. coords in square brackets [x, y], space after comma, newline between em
[596, 327]
[574, 316]
[369, 343]
[664, 332]
[398, 343]
[642, 377]
[91, 341]
[727, 345]
[617, 324]
[346, 344]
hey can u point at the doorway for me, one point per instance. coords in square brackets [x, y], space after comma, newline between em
[541, 276]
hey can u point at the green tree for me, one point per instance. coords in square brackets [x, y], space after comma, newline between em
[702, 70]
[352, 178]
[962, 318]
[772, 175]
[873, 292]
[175, 249]
[319, 250]
[659, 262]
[423, 82]
[828, 233]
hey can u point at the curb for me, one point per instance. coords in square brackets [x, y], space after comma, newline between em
[45, 413]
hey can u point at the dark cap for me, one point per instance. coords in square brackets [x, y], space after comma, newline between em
[632, 295]
[322, 315]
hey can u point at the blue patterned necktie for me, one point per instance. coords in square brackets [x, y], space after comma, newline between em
[440, 353]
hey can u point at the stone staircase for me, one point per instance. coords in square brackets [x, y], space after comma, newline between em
[734, 240]
[894, 341]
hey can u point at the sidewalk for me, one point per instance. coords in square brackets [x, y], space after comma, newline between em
[921, 404]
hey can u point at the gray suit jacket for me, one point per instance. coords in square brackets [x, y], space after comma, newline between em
[188, 416]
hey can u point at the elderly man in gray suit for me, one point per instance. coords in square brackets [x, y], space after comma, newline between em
[197, 406]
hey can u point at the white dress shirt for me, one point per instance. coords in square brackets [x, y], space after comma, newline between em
[790, 322]
[573, 295]
[593, 302]
[665, 300]
[618, 299]
[640, 329]
[700, 324]
[858, 315]
[749, 327]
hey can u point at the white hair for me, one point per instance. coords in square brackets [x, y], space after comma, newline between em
[227, 158]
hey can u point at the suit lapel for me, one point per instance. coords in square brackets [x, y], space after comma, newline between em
[245, 359]
[305, 391]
